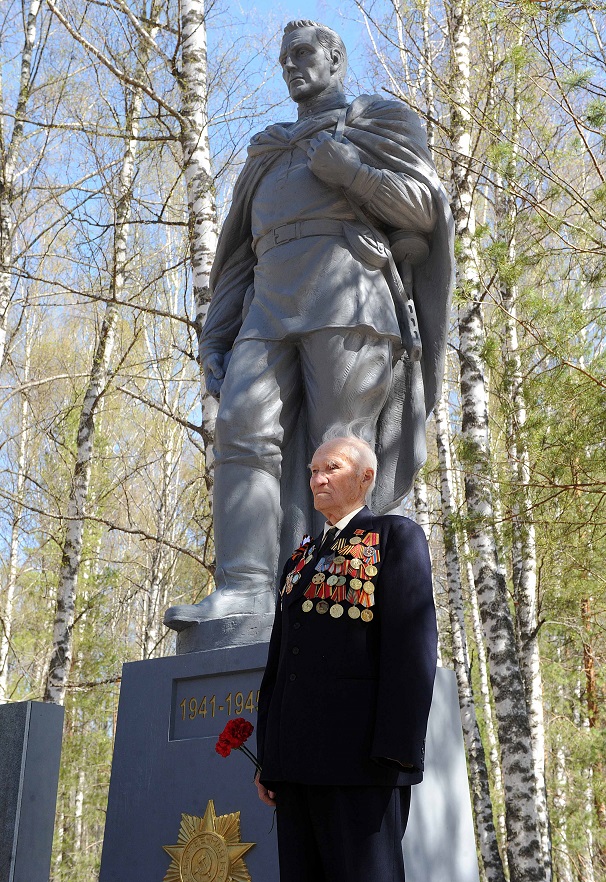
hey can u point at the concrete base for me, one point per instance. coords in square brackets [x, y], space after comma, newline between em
[30, 753]
[171, 713]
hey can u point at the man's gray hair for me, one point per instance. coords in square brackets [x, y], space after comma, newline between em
[328, 39]
[363, 452]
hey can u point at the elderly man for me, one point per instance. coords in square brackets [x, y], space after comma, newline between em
[346, 693]
[310, 323]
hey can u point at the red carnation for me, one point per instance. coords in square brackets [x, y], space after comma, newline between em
[223, 747]
[233, 736]
[237, 731]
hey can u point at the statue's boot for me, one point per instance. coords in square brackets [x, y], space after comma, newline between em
[246, 516]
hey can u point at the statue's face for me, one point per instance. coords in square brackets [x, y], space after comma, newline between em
[305, 67]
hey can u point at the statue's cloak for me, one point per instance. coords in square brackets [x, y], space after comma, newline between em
[388, 136]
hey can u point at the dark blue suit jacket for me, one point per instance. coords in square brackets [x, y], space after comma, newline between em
[344, 701]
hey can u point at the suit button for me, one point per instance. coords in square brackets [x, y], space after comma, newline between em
[297, 625]
[295, 650]
[292, 677]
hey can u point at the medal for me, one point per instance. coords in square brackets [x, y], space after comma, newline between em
[322, 607]
[370, 570]
[332, 580]
[318, 578]
[355, 540]
[307, 606]
[336, 610]
[355, 563]
[339, 559]
[341, 580]
[366, 615]
[353, 612]
[368, 587]
[355, 584]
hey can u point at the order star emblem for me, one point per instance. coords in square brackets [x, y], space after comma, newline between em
[208, 849]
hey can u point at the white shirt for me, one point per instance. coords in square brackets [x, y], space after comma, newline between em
[340, 525]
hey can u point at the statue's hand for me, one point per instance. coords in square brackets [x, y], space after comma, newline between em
[334, 162]
[214, 372]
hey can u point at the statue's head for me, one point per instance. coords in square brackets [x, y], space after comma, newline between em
[313, 59]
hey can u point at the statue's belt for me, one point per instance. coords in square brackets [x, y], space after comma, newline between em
[297, 230]
[370, 249]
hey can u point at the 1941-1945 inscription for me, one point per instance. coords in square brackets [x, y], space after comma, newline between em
[201, 706]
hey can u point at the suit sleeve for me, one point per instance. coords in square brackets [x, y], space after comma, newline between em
[408, 649]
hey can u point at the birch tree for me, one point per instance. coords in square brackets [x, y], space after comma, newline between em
[523, 835]
[524, 559]
[193, 82]
[22, 438]
[482, 803]
[10, 146]
[61, 656]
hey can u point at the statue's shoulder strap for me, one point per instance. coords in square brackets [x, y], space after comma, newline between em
[340, 127]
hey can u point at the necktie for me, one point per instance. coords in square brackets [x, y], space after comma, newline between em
[329, 538]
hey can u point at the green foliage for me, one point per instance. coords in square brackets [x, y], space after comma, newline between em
[595, 113]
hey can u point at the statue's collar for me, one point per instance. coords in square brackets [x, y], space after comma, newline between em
[334, 101]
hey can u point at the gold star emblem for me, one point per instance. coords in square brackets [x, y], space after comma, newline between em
[208, 849]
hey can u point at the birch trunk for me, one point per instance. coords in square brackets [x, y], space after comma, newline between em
[8, 164]
[157, 589]
[159, 357]
[482, 803]
[523, 835]
[585, 869]
[79, 807]
[524, 554]
[422, 514]
[483, 676]
[9, 593]
[562, 861]
[193, 83]
[61, 657]
[598, 770]
[428, 84]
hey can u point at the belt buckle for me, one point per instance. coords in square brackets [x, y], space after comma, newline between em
[287, 232]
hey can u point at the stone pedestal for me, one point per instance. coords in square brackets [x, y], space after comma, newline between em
[171, 713]
[30, 753]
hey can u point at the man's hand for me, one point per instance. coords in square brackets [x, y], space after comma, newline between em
[214, 372]
[334, 162]
[265, 795]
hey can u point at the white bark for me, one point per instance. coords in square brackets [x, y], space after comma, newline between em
[523, 837]
[79, 807]
[422, 515]
[11, 583]
[523, 543]
[8, 165]
[563, 864]
[482, 803]
[61, 657]
[156, 592]
[199, 180]
[489, 725]
[427, 74]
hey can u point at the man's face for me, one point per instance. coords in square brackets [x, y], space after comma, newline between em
[306, 70]
[337, 481]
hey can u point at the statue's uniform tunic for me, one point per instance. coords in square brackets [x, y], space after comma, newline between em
[345, 698]
[318, 325]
